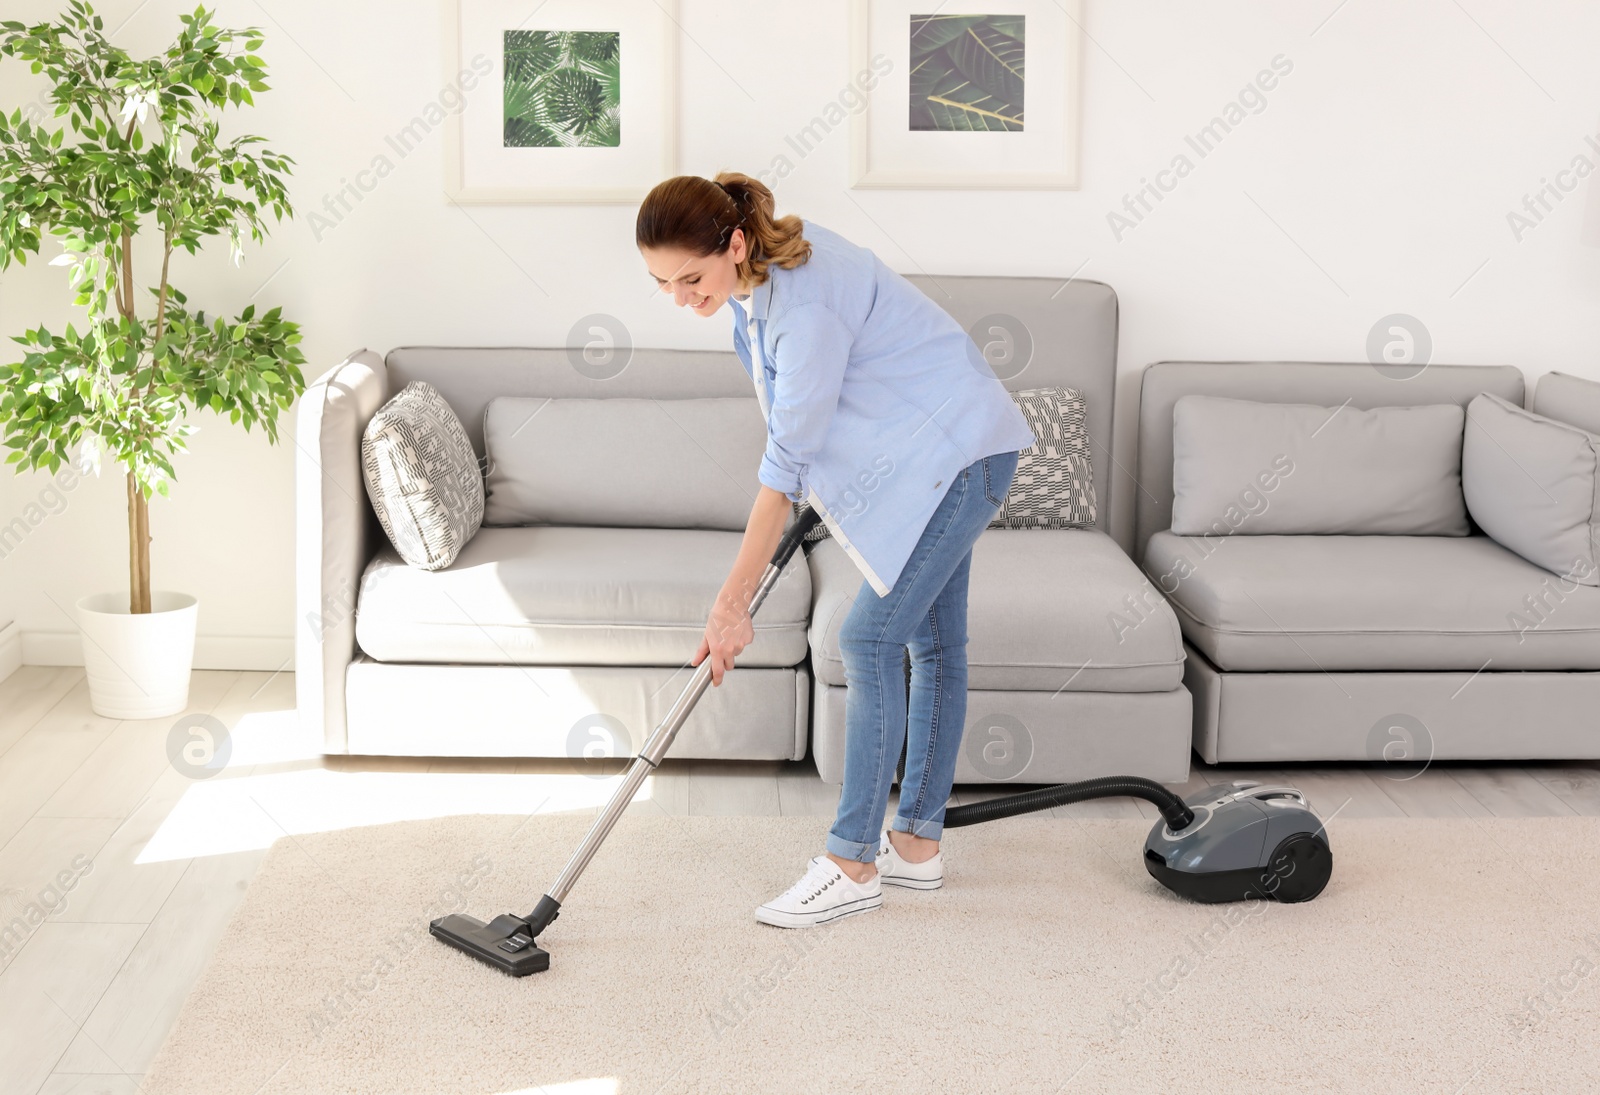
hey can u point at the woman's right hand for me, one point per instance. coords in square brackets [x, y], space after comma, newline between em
[728, 632]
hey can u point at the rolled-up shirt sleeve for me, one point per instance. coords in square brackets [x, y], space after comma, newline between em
[811, 346]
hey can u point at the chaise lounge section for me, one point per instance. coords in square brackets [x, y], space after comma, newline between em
[1400, 648]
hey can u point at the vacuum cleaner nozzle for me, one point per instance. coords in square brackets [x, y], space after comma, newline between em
[506, 942]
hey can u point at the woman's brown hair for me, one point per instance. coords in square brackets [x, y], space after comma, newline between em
[699, 216]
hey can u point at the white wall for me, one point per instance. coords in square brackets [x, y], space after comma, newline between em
[1378, 178]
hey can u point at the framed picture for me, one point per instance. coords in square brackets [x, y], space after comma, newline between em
[975, 95]
[560, 101]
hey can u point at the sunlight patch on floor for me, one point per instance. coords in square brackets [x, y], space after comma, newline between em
[231, 815]
[271, 737]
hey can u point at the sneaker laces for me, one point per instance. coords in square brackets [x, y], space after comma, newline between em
[819, 877]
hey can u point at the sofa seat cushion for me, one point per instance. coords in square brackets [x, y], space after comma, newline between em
[1047, 610]
[1332, 603]
[559, 595]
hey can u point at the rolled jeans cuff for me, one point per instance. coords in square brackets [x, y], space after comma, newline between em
[930, 830]
[851, 849]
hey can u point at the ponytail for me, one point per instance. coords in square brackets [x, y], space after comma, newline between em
[699, 216]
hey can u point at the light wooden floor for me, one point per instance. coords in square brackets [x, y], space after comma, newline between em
[138, 866]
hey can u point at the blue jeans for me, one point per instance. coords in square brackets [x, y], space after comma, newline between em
[925, 612]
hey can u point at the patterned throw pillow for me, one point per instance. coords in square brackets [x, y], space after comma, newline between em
[1054, 484]
[423, 477]
[819, 531]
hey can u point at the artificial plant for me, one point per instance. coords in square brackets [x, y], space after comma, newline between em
[140, 142]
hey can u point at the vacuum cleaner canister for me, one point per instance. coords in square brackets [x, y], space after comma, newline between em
[1247, 840]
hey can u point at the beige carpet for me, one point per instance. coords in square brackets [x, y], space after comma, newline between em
[1049, 963]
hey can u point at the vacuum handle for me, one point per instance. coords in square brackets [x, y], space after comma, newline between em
[804, 522]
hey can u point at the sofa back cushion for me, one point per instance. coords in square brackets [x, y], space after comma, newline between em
[1241, 466]
[1034, 331]
[1533, 484]
[622, 461]
[1326, 384]
[1574, 400]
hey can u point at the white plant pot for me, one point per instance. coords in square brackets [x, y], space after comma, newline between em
[138, 663]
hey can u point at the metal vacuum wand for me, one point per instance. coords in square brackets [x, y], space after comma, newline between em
[507, 941]
[655, 749]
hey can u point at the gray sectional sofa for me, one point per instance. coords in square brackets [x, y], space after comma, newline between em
[540, 640]
[550, 639]
[1400, 648]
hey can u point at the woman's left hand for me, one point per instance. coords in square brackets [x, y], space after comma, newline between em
[728, 632]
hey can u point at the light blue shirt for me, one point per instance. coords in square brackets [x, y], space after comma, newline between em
[875, 398]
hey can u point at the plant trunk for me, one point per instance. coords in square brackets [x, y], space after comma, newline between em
[138, 548]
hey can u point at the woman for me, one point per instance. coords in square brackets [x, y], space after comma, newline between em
[882, 415]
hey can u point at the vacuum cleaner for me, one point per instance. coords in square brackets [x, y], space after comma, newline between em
[1227, 842]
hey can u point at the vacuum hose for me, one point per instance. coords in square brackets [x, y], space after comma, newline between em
[1173, 808]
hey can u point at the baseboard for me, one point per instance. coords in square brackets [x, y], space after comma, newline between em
[264, 652]
[10, 649]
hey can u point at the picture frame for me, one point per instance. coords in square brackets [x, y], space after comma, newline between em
[573, 101]
[953, 95]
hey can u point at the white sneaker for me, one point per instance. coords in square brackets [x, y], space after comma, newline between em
[823, 894]
[894, 871]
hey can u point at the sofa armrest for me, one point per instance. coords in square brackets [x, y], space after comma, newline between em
[336, 533]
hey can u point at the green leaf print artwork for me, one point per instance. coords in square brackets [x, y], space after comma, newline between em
[967, 73]
[563, 88]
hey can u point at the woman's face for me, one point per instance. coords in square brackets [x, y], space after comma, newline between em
[697, 282]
